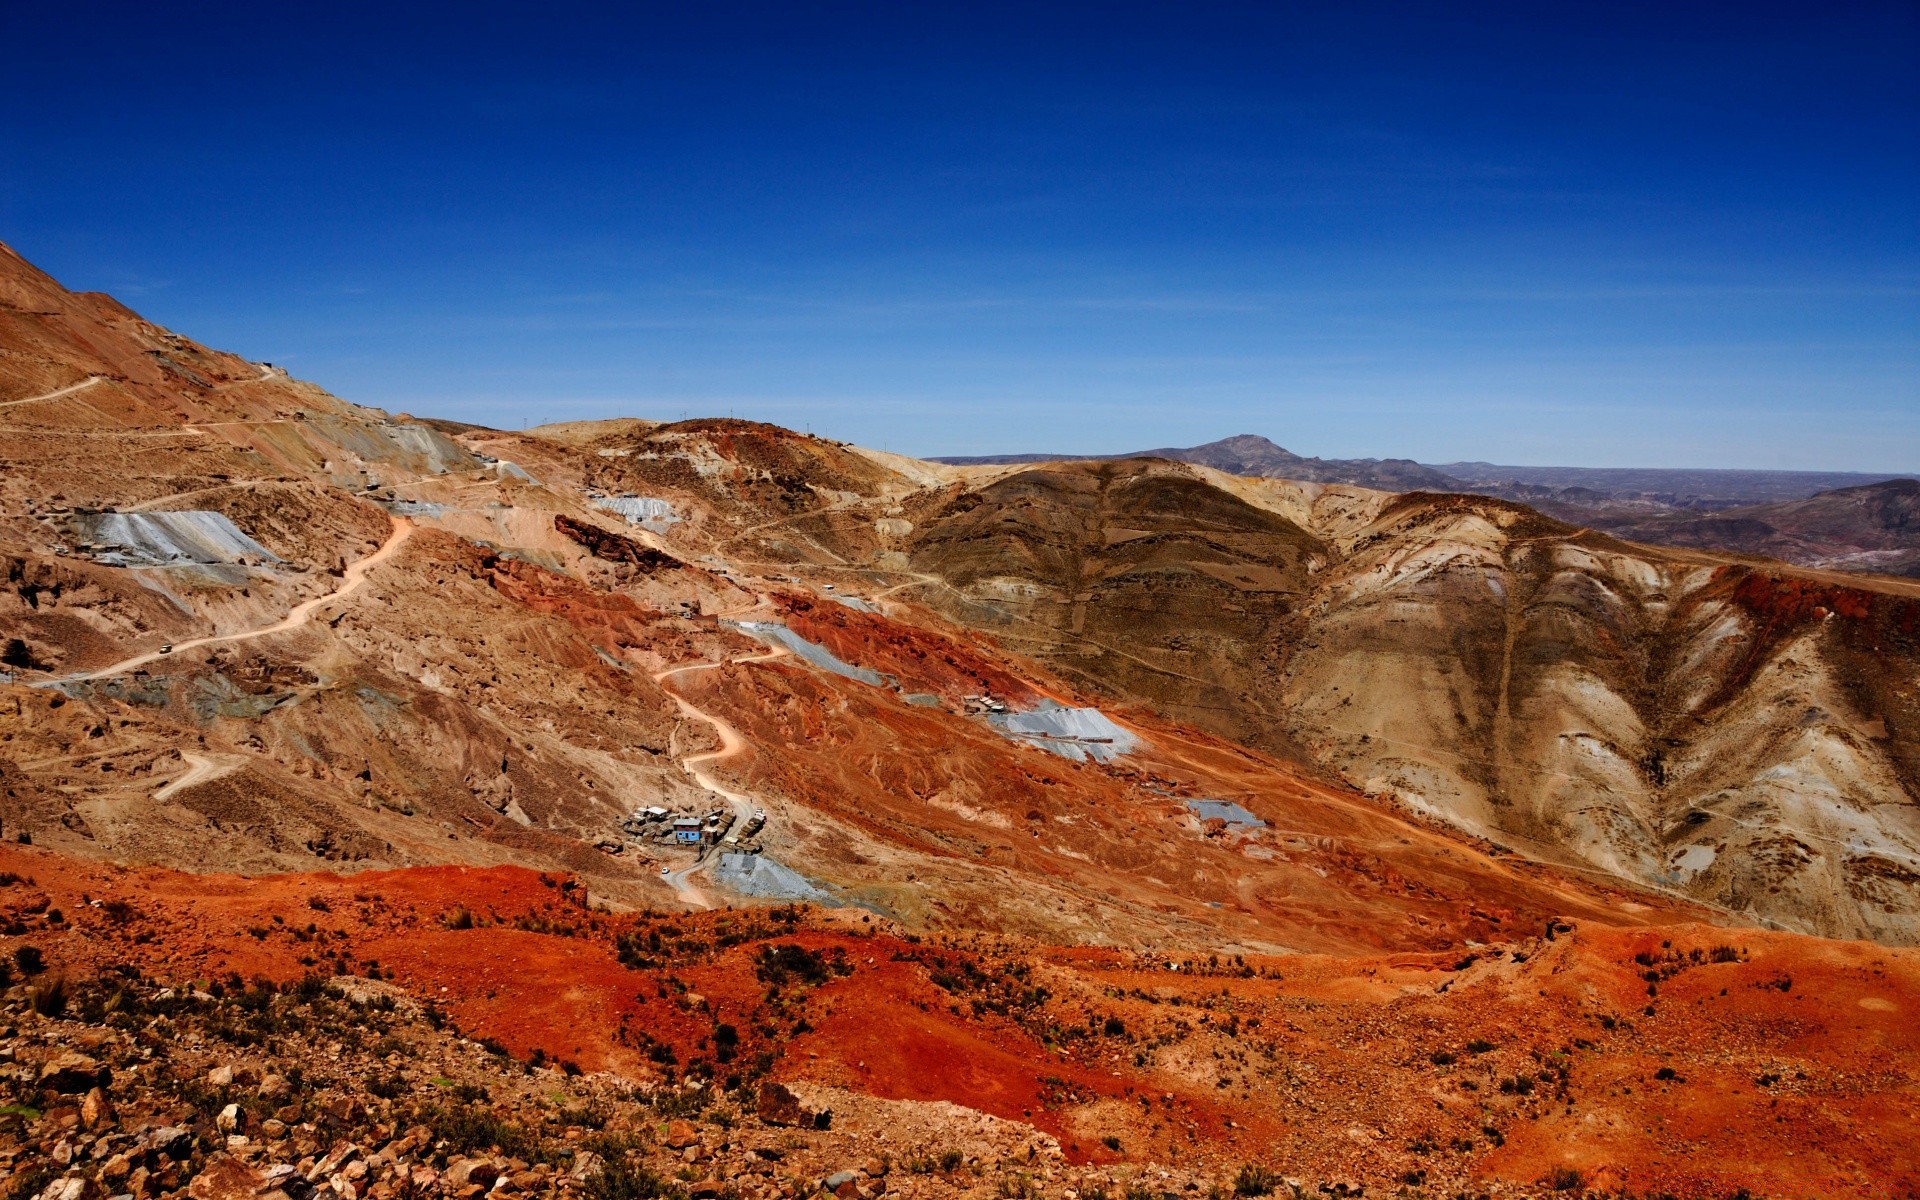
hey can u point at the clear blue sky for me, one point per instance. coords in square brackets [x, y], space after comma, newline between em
[1591, 234]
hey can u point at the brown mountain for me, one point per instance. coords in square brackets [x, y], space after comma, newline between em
[1251, 454]
[1731, 732]
[1835, 520]
[1871, 528]
[250, 626]
[1122, 826]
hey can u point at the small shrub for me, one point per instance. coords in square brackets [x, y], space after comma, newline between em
[1477, 1046]
[29, 960]
[468, 1129]
[617, 1180]
[777, 964]
[1254, 1180]
[1565, 1179]
[49, 999]
[1017, 1186]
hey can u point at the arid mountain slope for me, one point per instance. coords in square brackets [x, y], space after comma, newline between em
[1839, 520]
[401, 642]
[1251, 454]
[1152, 823]
[310, 633]
[1870, 528]
[1631, 1062]
[1731, 733]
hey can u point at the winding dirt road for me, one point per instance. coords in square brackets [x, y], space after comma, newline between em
[731, 744]
[71, 388]
[350, 581]
[200, 769]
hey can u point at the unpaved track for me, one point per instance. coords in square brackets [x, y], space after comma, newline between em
[200, 769]
[731, 744]
[355, 575]
[71, 388]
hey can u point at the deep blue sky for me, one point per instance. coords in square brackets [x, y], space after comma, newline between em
[1590, 234]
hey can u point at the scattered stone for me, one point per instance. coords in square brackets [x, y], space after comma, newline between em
[172, 1141]
[779, 1106]
[96, 1111]
[464, 1171]
[74, 1074]
[225, 1178]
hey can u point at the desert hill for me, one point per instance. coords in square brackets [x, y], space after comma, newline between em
[1717, 729]
[1837, 520]
[1873, 527]
[384, 646]
[1164, 819]
[1251, 454]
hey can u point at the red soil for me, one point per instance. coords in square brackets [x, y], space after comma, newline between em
[921, 659]
[1792, 1062]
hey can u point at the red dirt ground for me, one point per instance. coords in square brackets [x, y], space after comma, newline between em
[1792, 1062]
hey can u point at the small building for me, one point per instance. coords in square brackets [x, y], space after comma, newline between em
[686, 830]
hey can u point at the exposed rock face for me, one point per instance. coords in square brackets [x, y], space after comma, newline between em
[1735, 734]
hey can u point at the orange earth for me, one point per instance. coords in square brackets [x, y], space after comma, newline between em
[1687, 1058]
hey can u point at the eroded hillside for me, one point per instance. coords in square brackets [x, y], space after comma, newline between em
[1109, 826]
[312, 634]
[1722, 730]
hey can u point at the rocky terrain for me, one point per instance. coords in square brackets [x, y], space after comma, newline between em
[1065, 829]
[445, 1031]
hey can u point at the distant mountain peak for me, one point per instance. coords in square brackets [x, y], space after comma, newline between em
[1246, 443]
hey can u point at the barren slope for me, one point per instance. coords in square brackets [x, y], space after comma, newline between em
[1736, 734]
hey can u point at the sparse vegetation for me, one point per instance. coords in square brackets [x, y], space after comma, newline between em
[1254, 1180]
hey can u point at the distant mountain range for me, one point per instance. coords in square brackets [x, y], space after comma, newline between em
[1844, 520]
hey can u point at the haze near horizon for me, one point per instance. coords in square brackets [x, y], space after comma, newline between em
[1595, 236]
